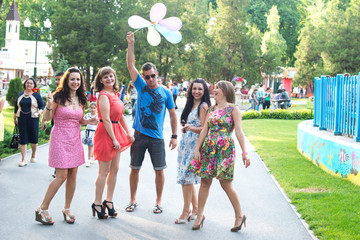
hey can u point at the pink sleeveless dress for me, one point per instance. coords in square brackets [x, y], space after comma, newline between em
[66, 149]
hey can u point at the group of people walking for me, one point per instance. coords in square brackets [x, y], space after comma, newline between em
[206, 148]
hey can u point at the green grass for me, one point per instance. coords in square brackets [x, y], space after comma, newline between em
[8, 118]
[299, 99]
[330, 205]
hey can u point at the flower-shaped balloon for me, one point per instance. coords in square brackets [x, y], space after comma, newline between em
[168, 27]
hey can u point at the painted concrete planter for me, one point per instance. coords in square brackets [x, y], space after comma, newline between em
[336, 155]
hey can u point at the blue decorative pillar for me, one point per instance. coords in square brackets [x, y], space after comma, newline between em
[322, 102]
[337, 104]
[357, 109]
[316, 102]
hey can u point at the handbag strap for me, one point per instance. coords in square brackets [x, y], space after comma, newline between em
[16, 130]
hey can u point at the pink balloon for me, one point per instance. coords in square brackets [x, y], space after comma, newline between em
[157, 12]
[172, 23]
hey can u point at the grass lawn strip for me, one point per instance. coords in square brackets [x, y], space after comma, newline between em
[330, 205]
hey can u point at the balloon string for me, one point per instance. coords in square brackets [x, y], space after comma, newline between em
[136, 31]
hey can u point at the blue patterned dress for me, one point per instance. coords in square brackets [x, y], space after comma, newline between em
[187, 150]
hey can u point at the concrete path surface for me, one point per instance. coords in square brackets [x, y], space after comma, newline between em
[269, 215]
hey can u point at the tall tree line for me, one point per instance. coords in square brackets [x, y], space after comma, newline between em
[221, 38]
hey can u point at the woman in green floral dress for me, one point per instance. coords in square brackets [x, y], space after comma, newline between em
[215, 152]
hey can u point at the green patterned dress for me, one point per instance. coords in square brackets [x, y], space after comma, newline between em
[217, 154]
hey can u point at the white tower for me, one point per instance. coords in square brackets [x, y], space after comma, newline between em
[12, 32]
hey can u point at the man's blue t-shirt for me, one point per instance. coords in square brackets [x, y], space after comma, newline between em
[260, 93]
[151, 108]
[123, 91]
[175, 90]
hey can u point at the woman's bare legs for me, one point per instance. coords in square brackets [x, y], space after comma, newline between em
[61, 176]
[203, 195]
[234, 199]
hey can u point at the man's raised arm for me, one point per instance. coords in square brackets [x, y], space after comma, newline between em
[130, 57]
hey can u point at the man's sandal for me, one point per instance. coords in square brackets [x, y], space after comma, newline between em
[131, 207]
[157, 209]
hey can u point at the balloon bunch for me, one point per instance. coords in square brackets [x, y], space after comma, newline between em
[168, 27]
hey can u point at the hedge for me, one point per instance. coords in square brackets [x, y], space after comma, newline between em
[278, 114]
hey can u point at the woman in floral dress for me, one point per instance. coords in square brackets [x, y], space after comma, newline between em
[215, 152]
[192, 120]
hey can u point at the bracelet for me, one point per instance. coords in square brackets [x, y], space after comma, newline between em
[48, 108]
[174, 136]
[244, 153]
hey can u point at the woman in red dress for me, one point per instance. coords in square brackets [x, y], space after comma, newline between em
[112, 136]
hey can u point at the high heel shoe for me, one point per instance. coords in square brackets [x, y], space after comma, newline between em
[101, 214]
[192, 216]
[68, 218]
[197, 227]
[238, 228]
[112, 212]
[182, 221]
[41, 217]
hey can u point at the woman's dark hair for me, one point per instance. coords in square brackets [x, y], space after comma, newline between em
[98, 86]
[28, 80]
[62, 92]
[190, 99]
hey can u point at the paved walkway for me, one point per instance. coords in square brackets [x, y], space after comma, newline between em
[21, 191]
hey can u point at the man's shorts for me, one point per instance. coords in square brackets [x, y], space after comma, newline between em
[155, 147]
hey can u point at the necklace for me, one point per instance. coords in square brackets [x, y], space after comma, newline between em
[74, 100]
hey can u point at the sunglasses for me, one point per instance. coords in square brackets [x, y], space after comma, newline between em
[147, 77]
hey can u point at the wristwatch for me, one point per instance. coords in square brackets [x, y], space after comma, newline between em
[174, 136]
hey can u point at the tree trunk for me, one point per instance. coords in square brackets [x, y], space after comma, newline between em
[87, 78]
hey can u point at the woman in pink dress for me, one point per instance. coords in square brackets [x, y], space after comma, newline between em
[66, 152]
[112, 137]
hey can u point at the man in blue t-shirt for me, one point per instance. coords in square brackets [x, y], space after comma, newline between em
[175, 92]
[152, 101]
[122, 91]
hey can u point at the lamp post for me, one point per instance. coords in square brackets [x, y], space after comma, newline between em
[37, 32]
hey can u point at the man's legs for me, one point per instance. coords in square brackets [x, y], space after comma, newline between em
[157, 154]
[134, 180]
[159, 182]
[137, 152]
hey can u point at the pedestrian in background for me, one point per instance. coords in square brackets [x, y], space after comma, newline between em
[88, 138]
[267, 98]
[301, 92]
[175, 92]
[193, 120]
[112, 137]
[66, 152]
[254, 96]
[29, 106]
[152, 101]
[215, 152]
[133, 96]
[122, 91]
[260, 97]
[251, 98]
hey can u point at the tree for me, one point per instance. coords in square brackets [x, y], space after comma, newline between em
[273, 44]
[309, 61]
[341, 52]
[86, 33]
[289, 22]
[237, 42]
[15, 87]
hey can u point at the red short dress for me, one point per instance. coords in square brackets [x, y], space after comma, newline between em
[103, 145]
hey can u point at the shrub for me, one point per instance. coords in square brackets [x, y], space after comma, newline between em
[15, 87]
[278, 114]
